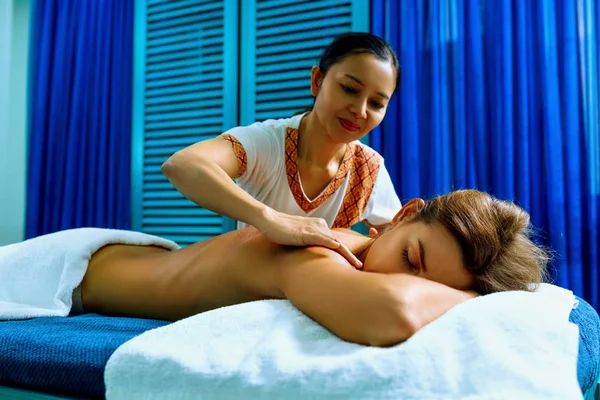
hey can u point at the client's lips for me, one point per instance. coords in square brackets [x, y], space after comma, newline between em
[349, 125]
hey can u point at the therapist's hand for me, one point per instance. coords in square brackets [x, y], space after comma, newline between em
[294, 230]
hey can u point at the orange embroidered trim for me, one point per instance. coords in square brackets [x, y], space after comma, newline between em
[239, 151]
[360, 186]
[291, 165]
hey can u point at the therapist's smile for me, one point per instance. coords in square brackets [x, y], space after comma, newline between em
[349, 125]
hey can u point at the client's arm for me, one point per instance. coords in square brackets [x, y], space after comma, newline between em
[362, 307]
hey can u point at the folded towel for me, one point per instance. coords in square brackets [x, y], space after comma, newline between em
[588, 359]
[37, 276]
[511, 345]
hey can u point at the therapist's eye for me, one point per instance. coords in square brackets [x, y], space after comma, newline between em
[377, 105]
[348, 89]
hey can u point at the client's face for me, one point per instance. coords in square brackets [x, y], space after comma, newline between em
[417, 248]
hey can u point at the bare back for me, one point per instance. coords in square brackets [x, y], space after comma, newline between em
[150, 282]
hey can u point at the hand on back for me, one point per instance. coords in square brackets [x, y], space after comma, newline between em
[295, 230]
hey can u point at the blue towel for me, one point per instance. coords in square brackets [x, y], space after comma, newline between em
[588, 360]
[64, 354]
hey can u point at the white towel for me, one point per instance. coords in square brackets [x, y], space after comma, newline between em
[512, 345]
[37, 276]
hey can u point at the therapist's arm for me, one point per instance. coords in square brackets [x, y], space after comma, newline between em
[204, 173]
[362, 307]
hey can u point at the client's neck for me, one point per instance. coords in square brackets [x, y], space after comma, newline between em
[362, 251]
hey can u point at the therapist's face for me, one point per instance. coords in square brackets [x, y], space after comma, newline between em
[352, 98]
[423, 249]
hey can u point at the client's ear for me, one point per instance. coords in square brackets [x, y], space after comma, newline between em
[408, 210]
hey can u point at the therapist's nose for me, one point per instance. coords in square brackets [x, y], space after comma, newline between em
[359, 109]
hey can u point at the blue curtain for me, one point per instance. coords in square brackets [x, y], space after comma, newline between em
[80, 116]
[502, 96]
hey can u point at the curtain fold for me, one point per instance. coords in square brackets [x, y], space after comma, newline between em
[80, 116]
[502, 97]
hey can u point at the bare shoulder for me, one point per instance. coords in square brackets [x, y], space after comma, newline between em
[302, 265]
[301, 255]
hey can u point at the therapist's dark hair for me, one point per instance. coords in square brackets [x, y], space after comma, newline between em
[351, 43]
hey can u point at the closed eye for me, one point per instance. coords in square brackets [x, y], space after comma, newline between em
[407, 262]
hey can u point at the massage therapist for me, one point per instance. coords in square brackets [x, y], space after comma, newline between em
[300, 176]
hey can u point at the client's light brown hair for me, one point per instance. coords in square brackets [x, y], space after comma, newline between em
[495, 238]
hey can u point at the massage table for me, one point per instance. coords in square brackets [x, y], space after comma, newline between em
[64, 358]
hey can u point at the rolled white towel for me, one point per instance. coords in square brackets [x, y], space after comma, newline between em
[37, 276]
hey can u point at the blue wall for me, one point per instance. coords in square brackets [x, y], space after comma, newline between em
[14, 49]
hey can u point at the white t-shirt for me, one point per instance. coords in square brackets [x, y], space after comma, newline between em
[267, 151]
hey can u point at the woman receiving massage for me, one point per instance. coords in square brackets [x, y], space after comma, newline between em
[435, 254]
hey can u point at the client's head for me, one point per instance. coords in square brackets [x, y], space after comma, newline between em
[466, 239]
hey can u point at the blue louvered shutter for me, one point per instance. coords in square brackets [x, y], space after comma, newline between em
[281, 40]
[185, 91]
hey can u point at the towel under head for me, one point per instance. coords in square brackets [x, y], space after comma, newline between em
[510, 345]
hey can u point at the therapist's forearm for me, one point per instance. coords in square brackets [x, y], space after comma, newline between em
[206, 184]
